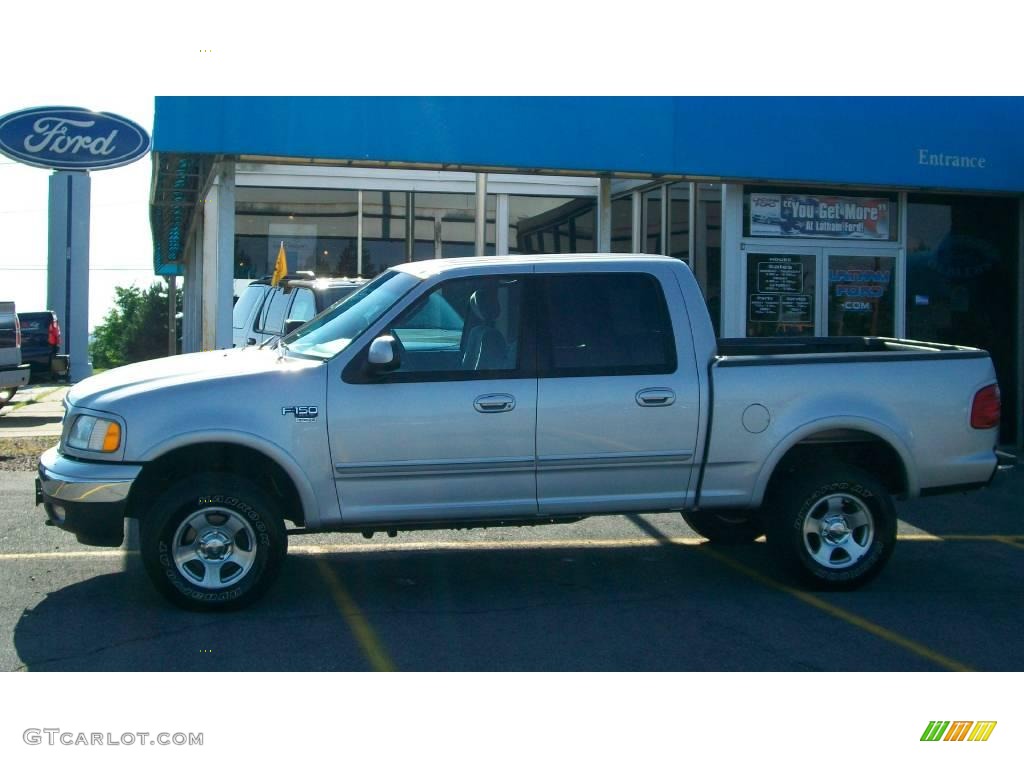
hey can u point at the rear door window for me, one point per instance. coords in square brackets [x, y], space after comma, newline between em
[605, 324]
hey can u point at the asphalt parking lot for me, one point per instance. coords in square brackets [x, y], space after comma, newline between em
[638, 592]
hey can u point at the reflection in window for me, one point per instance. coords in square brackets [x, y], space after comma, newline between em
[550, 224]
[317, 227]
[622, 225]
[962, 272]
[652, 220]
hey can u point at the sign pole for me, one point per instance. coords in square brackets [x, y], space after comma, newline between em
[68, 266]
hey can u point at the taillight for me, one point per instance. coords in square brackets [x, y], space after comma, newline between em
[17, 332]
[985, 408]
[54, 337]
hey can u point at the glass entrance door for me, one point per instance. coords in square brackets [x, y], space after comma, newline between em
[861, 294]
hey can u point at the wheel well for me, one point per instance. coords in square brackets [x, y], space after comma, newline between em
[848, 446]
[175, 465]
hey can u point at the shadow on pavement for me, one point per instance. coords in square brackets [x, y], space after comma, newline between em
[658, 607]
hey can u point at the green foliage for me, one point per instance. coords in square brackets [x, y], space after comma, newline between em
[134, 329]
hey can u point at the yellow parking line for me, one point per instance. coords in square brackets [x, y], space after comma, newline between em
[364, 634]
[850, 618]
[1011, 541]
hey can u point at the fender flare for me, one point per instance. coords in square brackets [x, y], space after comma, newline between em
[859, 423]
[298, 476]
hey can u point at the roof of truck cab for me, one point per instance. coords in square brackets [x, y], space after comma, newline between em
[431, 267]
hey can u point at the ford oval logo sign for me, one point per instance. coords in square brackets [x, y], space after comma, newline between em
[71, 139]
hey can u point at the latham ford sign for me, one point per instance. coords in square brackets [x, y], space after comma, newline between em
[71, 139]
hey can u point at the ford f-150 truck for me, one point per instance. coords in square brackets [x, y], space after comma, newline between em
[461, 393]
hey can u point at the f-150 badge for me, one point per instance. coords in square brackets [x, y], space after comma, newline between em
[301, 412]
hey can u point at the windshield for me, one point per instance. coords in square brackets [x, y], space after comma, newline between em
[334, 330]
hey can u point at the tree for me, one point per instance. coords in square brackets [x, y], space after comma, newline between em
[134, 329]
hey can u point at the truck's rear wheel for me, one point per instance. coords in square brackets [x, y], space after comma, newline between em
[213, 541]
[835, 526]
[739, 527]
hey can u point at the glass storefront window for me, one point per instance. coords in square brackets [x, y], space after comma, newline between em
[679, 221]
[652, 220]
[962, 272]
[622, 225]
[550, 224]
[861, 295]
[780, 294]
[317, 227]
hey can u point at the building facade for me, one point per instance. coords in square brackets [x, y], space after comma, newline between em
[817, 216]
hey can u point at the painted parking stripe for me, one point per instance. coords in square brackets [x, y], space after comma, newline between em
[361, 629]
[843, 615]
[816, 602]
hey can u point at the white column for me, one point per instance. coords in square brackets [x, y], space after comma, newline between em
[604, 215]
[501, 226]
[481, 214]
[218, 252]
[734, 282]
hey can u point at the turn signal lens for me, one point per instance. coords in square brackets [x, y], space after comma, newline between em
[985, 410]
[112, 440]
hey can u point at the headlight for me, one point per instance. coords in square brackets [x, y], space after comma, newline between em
[90, 433]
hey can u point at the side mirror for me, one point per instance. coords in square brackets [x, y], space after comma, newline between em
[291, 325]
[383, 354]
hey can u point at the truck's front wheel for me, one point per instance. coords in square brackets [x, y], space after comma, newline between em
[835, 526]
[213, 541]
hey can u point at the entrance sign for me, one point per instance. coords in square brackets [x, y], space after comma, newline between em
[71, 139]
[838, 218]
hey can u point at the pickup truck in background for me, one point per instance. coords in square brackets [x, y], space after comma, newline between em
[40, 343]
[499, 391]
[13, 373]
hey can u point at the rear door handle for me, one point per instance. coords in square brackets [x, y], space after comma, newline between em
[655, 397]
[496, 403]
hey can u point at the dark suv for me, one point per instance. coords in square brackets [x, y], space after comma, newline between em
[263, 311]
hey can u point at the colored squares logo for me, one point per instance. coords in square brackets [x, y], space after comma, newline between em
[958, 730]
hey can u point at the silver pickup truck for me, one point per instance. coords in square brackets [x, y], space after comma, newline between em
[462, 393]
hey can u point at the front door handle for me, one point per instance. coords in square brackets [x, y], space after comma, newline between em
[656, 397]
[497, 403]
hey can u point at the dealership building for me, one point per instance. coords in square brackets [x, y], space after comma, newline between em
[798, 216]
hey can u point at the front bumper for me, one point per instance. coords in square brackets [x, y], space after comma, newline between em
[88, 499]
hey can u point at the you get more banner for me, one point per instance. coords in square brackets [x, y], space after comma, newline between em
[844, 218]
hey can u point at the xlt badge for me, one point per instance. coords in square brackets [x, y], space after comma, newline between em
[301, 412]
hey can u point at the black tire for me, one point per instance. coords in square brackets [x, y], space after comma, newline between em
[227, 532]
[726, 527]
[834, 525]
[6, 395]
